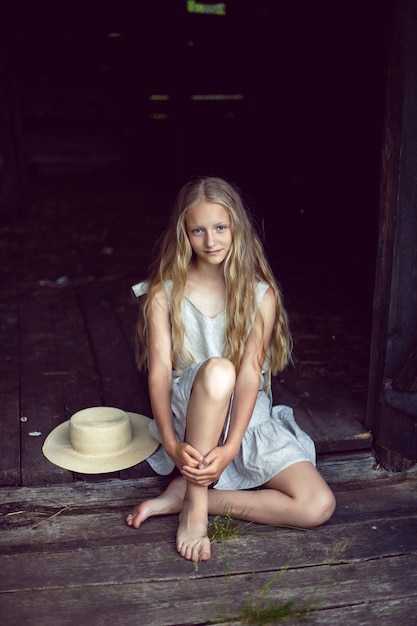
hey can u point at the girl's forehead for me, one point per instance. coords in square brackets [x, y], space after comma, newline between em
[207, 211]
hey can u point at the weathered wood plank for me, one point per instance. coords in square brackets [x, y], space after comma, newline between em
[42, 401]
[382, 612]
[175, 603]
[67, 518]
[118, 493]
[111, 492]
[350, 467]
[335, 416]
[81, 386]
[141, 559]
[9, 390]
[76, 367]
[283, 395]
[121, 384]
[126, 308]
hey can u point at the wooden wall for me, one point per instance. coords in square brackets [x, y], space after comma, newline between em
[392, 403]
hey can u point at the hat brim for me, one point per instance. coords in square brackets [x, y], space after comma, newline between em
[58, 450]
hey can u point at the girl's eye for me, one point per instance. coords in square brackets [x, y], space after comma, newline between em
[197, 231]
[221, 227]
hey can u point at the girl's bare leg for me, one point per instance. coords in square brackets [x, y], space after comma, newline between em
[206, 415]
[297, 496]
[169, 502]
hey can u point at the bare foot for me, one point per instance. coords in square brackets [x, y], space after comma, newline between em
[171, 501]
[192, 540]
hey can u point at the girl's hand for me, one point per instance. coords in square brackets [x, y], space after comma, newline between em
[183, 454]
[209, 469]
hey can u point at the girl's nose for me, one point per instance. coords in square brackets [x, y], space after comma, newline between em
[209, 240]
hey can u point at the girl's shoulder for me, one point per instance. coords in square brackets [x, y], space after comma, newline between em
[161, 294]
[158, 300]
[140, 289]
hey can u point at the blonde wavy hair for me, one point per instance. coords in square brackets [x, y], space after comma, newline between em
[243, 267]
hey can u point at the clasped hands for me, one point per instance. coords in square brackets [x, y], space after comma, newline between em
[201, 470]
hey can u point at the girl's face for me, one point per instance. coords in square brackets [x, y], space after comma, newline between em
[209, 231]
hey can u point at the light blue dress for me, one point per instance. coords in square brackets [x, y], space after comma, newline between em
[273, 440]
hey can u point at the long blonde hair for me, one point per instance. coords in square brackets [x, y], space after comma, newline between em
[244, 266]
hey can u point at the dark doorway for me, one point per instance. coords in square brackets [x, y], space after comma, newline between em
[286, 100]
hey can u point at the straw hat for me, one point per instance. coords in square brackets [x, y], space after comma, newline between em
[100, 439]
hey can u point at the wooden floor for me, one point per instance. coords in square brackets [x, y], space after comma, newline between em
[66, 558]
[67, 319]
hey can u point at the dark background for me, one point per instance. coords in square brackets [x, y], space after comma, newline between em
[302, 140]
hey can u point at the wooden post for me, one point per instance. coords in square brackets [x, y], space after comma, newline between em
[392, 399]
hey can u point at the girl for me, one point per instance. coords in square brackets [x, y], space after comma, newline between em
[213, 329]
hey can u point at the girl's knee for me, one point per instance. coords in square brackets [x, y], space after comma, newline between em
[320, 508]
[218, 376]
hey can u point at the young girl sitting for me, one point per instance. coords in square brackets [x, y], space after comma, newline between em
[213, 329]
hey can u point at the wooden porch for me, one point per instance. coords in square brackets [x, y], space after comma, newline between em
[66, 556]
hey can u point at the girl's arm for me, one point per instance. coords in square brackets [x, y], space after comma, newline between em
[249, 376]
[160, 381]
[159, 365]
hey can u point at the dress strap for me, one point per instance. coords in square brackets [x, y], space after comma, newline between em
[260, 291]
[140, 288]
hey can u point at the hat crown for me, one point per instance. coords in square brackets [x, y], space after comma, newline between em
[100, 431]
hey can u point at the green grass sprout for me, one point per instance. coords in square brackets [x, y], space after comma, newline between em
[222, 528]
